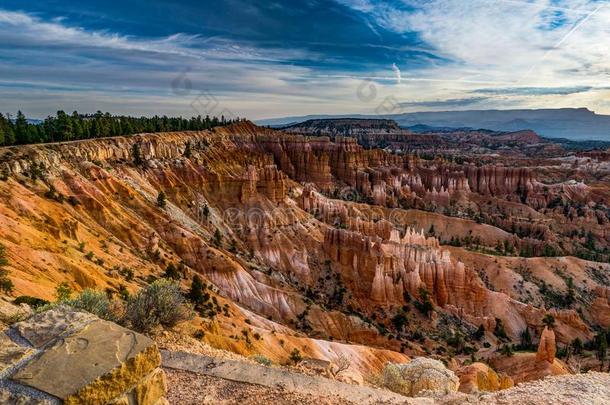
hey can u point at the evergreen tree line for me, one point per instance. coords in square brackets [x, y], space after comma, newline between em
[65, 127]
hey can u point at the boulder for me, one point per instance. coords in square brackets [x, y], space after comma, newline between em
[478, 377]
[420, 377]
[77, 358]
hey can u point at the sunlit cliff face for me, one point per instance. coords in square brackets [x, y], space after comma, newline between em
[315, 242]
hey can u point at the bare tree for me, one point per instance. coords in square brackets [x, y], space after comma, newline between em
[339, 365]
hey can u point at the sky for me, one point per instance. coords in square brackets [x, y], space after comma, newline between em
[264, 59]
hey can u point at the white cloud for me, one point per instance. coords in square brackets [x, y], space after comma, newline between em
[24, 28]
[540, 43]
[397, 73]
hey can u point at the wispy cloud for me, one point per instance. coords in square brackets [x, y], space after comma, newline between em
[309, 57]
[538, 91]
[397, 73]
[25, 29]
[450, 103]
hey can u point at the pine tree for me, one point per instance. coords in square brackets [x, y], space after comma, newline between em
[526, 339]
[549, 321]
[161, 200]
[136, 155]
[64, 126]
[187, 150]
[6, 284]
[602, 346]
[196, 293]
[7, 131]
[171, 272]
[21, 129]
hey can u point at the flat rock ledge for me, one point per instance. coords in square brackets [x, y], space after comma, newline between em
[62, 356]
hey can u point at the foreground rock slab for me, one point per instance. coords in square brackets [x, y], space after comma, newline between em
[289, 382]
[76, 358]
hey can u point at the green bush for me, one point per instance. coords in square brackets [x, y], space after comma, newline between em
[6, 284]
[33, 302]
[63, 292]
[159, 304]
[96, 303]
[295, 356]
[393, 380]
[259, 358]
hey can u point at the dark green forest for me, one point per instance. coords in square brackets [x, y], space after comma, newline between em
[18, 130]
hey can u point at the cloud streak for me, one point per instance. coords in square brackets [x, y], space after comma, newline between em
[310, 57]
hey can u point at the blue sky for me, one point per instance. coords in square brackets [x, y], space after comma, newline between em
[263, 59]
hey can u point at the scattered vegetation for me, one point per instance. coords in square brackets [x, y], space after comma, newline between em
[6, 285]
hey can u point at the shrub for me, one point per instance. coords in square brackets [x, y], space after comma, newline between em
[73, 201]
[480, 333]
[96, 303]
[217, 238]
[259, 358]
[499, 330]
[161, 200]
[63, 292]
[577, 346]
[136, 155]
[424, 305]
[196, 293]
[295, 356]
[6, 284]
[399, 321]
[506, 350]
[392, 379]
[159, 304]
[171, 272]
[33, 302]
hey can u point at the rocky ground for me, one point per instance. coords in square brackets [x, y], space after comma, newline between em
[190, 389]
[592, 388]
[583, 389]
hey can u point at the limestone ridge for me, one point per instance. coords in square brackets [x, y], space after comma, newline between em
[74, 358]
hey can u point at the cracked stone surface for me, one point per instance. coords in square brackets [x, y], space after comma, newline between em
[7, 397]
[10, 352]
[93, 365]
[47, 326]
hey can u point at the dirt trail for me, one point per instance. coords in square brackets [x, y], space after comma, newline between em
[283, 380]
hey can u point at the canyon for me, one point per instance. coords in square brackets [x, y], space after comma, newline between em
[367, 242]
